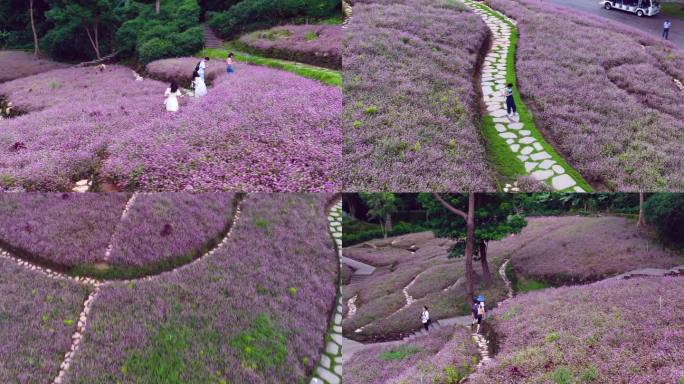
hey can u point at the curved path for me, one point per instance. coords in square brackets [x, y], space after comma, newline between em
[525, 143]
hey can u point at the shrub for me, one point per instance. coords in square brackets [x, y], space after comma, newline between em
[665, 211]
[375, 232]
[402, 352]
[251, 14]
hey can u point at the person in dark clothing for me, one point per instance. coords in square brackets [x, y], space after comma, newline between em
[510, 102]
[425, 318]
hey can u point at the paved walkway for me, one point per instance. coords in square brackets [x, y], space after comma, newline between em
[533, 152]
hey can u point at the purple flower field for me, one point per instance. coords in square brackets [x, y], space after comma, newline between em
[255, 311]
[579, 249]
[310, 44]
[63, 229]
[259, 130]
[16, 64]
[171, 226]
[37, 317]
[420, 360]
[608, 104]
[620, 331]
[410, 103]
[435, 281]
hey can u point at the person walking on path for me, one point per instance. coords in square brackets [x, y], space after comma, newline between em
[172, 93]
[229, 63]
[473, 310]
[202, 67]
[666, 29]
[481, 311]
[511, 110]
[425, 318]
[198, 85]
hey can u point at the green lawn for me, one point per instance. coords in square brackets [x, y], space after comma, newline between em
[504, 160]
[673, 9]
[324, 75]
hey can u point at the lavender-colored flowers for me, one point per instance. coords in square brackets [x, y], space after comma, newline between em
[16, 64]
[59, 229]
[311, 44]
[259, 130]
[581, 249]
[604, 95]
[279, 263]
[170, 226]
[620, 331]
[426, 358]
[410, 102]
[37, 317]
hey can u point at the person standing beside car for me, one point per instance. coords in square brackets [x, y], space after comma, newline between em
[666, 29]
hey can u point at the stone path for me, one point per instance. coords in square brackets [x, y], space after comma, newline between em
[347, 12]
[329, 369]
[537, 160]
[124, 214]
[210, 38]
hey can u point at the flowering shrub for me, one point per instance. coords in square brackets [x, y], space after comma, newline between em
[260, 130]
[604, 95]
[38, 316]
[171, 227]
[180, 69]
[424, 359]
[581, 249]
[17, 64]
[233, 315]
[608, 332]
[311, 44]
[63, 229]
[410, 101]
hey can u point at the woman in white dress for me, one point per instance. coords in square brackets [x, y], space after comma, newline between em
[198, 85]
[172, 93]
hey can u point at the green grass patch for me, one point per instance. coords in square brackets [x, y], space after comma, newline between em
[310, 36]
[551, 337]
[562, 375]
[589, 375]
[324, 75]
[674, 10]
[261, 346]
[504, 160]
[163, 361]
[522, 284]
[399, 353]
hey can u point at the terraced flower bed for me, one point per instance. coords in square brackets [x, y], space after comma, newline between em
[180, 69]
[16, 64]
[582, 249]
[410, 102]
[445, 355]
[37, 317]
[261, 130]
[607, 332]
[254, 311]
[311, 44]
[604, 97]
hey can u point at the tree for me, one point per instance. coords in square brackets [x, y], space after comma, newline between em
[36, 49]
[96, 18]
[381, 207]
[495, 217]
[157, 6]
[665, 213]
[641, 222]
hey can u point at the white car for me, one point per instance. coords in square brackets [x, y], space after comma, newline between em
[640, 7]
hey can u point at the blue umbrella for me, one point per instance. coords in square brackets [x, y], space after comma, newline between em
[480, 298]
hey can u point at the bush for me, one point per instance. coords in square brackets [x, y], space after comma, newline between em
[665, 212]
[369, 231]
[253, 14]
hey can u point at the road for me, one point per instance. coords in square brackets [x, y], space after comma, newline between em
[651, 25]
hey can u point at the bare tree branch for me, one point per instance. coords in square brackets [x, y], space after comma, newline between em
[450, 207]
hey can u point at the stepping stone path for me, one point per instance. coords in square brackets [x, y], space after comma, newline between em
[347, 12]
[528, 149]
[329, 369]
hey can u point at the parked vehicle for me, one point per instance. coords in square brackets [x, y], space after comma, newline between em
[639, 7]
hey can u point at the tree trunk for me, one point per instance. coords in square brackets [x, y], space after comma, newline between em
[383, 226]
[470, 243]
[93, 43]
[36, 49]
[388, 221]
[157, 6]
[486, 275]
[641, 209]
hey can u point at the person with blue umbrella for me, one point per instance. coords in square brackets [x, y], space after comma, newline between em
[479, 311]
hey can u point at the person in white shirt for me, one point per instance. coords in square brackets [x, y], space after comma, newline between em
[666, 29]
[202, 67]
[481, 311]
[172, 93]
[425, 318]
